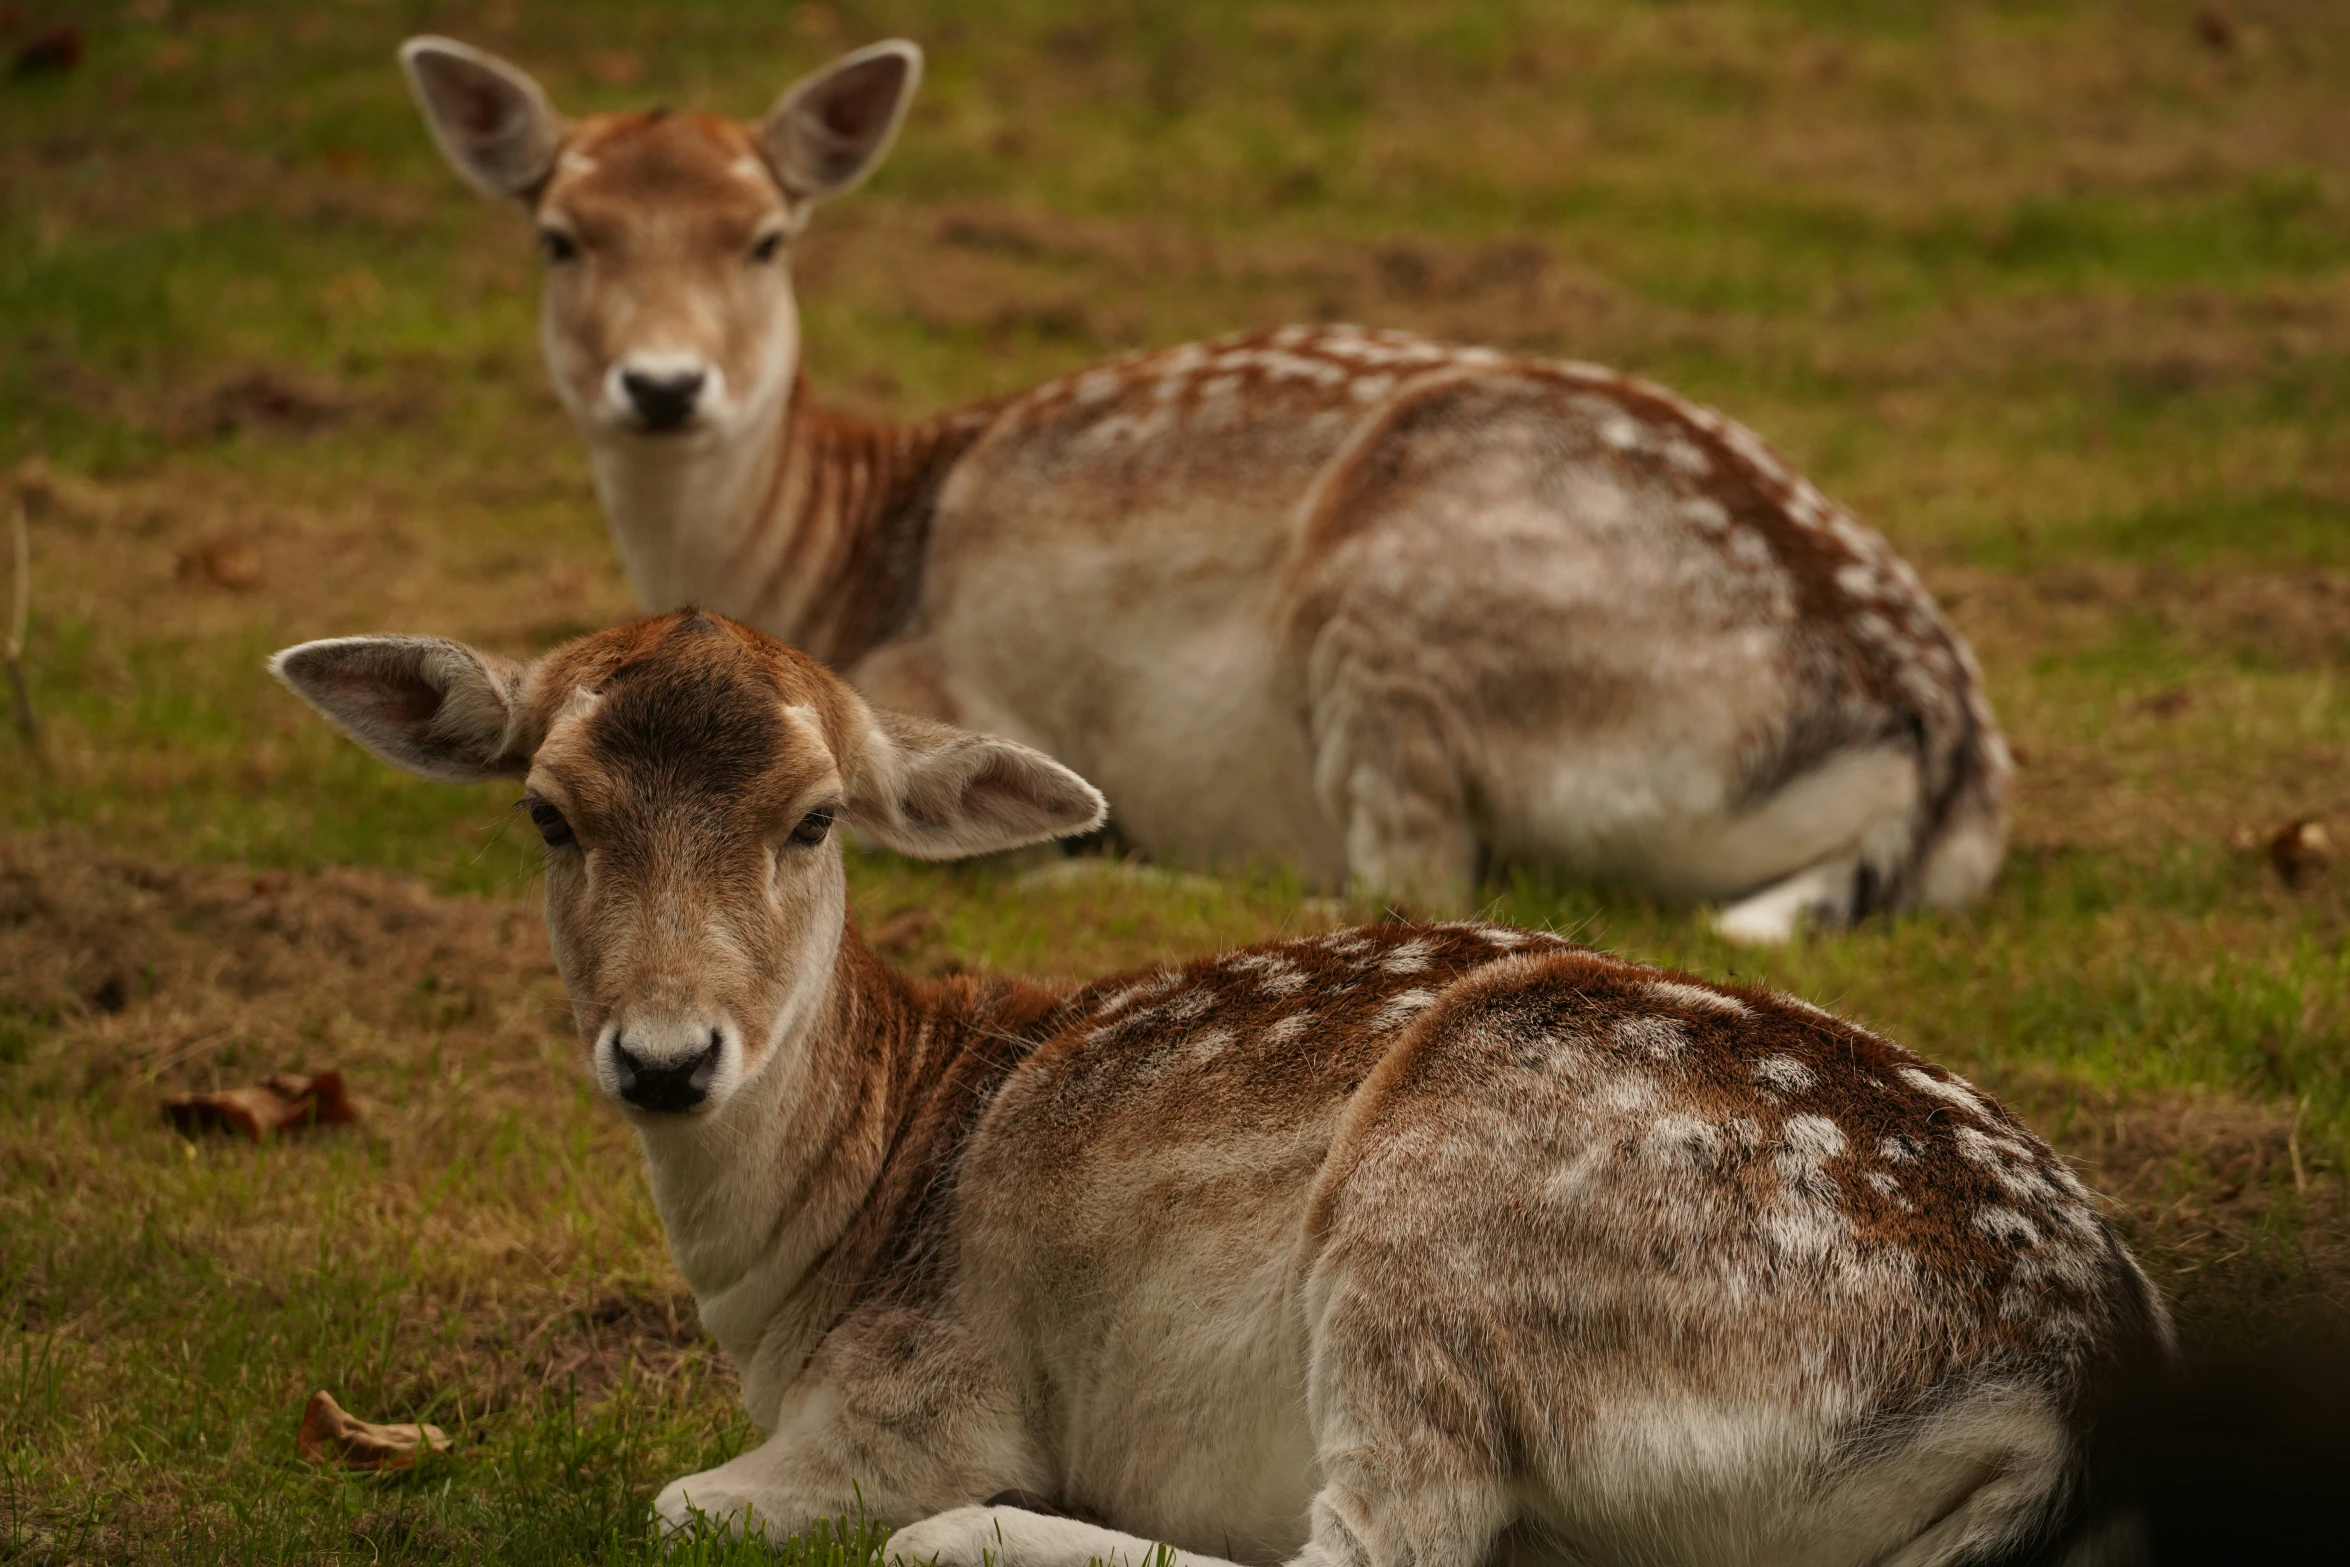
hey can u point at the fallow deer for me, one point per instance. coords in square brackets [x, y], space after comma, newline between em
[1377, 607]
[1405, 1246]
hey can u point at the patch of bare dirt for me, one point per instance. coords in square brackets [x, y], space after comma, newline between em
[144, 975]
[125, 979]
[2217, 1195]
[508, 1359]
[2220, 742]
[2291, 619]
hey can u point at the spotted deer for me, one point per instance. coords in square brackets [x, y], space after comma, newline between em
[1405, 1246]
[1377, 607]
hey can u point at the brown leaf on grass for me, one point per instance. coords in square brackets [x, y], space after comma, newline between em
[331, 1435]
[224, 563]
[2301, 852]
[901, 933]
[284, 1102]
[271, 399]
[617, 68]
[53, 51]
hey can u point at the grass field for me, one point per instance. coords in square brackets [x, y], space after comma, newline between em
[2056, 294]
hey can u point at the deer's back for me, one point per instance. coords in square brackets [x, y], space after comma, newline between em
[1587, 1179]
[1153, 568]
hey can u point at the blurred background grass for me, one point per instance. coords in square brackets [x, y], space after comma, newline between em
[2053, 293]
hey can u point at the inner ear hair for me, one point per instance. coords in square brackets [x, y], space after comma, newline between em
[940, 793]
[424, 704]
[493, 123]
[831, 128]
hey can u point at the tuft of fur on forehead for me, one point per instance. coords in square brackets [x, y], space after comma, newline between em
[693, 701]
[656, 160]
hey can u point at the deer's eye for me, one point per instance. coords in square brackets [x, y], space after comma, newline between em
[813, 826]
[558, 246]
[550, 824]
[768, 247]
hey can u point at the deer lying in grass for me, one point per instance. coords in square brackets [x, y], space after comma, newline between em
[1392, 1248]
[1357, 601]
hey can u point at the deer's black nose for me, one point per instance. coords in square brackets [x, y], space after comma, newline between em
[671, 1087]
[663, 402]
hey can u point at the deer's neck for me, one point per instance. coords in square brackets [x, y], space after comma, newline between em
[809, 525]
[806, 1191]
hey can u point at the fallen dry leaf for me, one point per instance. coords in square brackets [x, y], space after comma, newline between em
[225, 563]
[56, 50]
[617, 68]
[331, 1435]
[283, 1102]
[267, 399]
[2301, 852]
[2216, 30]
[900, 934]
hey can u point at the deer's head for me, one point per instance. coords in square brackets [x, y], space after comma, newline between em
[687, 774]
[668, 310]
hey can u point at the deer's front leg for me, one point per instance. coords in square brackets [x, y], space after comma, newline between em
[769, 1488]
[1014, 1537]
[901, 1416]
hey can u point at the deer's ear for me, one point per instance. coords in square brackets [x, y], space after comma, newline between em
[493, 123]
[426, 704]
[828, 131]
[940, 793]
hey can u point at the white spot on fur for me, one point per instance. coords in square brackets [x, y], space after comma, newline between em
[1677, 993]
[1193, 1005]
[1684, 1141]
[1505, 938]
[1785, 1074]
[1289, 1028]
[2007, 1226]
[1882, 1184]
[1813, 1138]
[1952, 1091]
[2009, 1162]
[1685, 457]
[1208, 1043]
[1410, 958]
[1858, 581]
[1276, 975]
[1659, 1038]
[1704, 512]
[1117, 1000]
[1401, 1009]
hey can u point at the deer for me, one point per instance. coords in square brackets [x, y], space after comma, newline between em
[1389, 612]
[1400, 1244]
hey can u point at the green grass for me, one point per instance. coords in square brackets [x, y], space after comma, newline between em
[2051, 292]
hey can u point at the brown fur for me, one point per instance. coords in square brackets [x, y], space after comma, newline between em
[1378, 607]
[1356, 1250]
